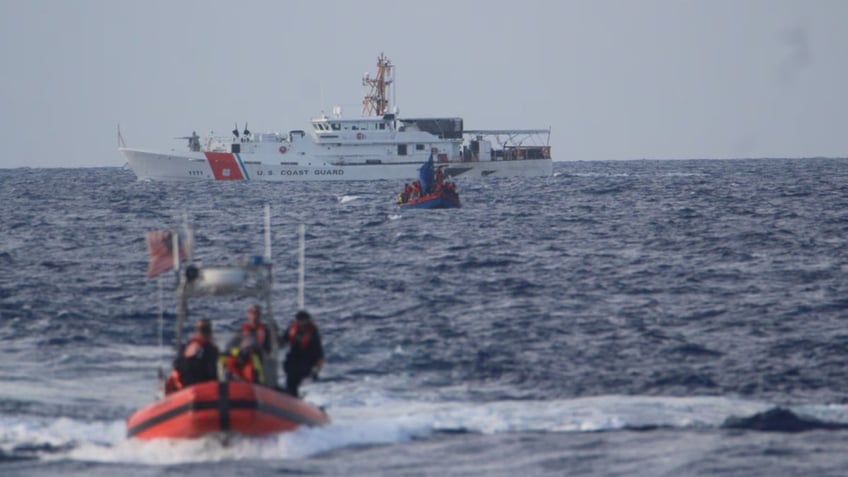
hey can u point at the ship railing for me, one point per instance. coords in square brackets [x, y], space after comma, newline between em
[506, 144]
[225, 143]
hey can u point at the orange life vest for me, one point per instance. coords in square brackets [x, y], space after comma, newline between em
[194, 345]
[250, 370]
[173, 383]
[300, 335]
[258, 332]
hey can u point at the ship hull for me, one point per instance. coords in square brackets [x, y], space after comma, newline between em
[223, 166]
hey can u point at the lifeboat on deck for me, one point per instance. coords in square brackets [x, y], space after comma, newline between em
[228, 406]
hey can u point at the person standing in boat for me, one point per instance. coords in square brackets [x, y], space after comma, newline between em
[197, 360]
[254, 332]
[248, 351]
[306, 353]
[407, 192]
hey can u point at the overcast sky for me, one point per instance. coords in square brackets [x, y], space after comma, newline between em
[621, 79]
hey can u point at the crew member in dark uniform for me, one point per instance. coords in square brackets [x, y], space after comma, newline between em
[197, 360]
[306, 353]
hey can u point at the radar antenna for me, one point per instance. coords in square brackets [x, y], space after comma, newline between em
[376, 102]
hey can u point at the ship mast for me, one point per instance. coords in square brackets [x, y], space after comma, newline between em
[376, 102]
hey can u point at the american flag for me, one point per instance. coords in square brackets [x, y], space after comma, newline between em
[160, 247]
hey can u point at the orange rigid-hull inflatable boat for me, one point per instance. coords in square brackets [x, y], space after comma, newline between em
[223, 406]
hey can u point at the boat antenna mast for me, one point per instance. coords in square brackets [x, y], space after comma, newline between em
[376, 102]
[301, 269]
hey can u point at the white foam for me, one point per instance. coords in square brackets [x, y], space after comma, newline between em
[380, 417]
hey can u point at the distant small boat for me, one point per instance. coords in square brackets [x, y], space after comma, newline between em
[443, 199]
[430, 191]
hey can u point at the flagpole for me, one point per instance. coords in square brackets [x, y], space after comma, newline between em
[161, 314]
[268, 232]
[189, 238]
[301, 279]
[175, 247]
[161, 371]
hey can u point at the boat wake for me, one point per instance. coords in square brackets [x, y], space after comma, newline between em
[381, 420]
[778, 419]
[347, 198]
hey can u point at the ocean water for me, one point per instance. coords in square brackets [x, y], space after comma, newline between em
[639, 318]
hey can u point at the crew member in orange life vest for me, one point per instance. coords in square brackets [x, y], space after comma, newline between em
[306, 354]
[406, 194]
[247, 351]
[254, 332]
[197, 360]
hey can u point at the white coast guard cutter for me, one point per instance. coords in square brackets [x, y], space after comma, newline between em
[377, 145]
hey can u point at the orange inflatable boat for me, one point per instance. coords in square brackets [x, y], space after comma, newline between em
[230, 406]
[225, 405]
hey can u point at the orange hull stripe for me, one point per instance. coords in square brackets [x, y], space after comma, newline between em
[224, 166]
